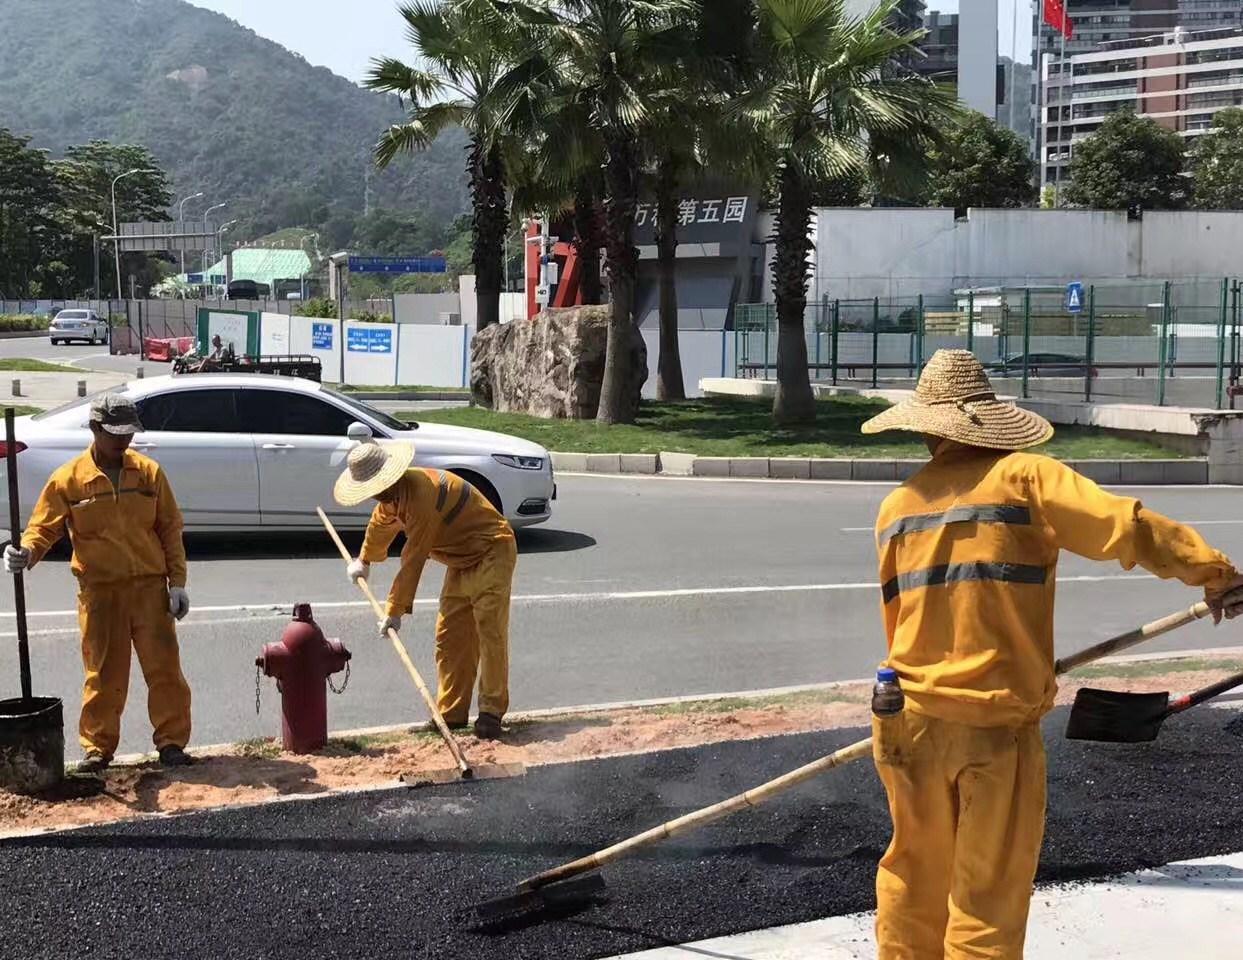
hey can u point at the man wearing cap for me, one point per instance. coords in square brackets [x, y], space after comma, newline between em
[125, 527]
[968, 555]
[448, 520]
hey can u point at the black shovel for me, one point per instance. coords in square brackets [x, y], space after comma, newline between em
[1113, 717]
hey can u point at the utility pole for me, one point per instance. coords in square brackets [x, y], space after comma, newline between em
[116, 232]
[207, 246]
[181, 224]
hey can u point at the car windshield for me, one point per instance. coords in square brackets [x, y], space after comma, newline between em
[72, 315]
[392, 423]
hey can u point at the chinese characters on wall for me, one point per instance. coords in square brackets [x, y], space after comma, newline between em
[729, 210]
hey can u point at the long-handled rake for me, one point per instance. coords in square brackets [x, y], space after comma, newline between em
[464, 770]
[566, 883]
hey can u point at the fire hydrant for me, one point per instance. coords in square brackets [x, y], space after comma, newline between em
[302, 663]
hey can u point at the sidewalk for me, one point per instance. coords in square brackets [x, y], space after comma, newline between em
[1189, 909]
[48, 390]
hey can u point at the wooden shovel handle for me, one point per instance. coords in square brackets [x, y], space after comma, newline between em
[699, 818]
[1132, 637]
[458, 757]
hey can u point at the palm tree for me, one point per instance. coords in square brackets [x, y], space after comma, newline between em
[613, 52]
[466, 47]
[829, 104]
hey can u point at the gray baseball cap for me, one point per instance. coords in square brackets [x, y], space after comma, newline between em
[116, 414]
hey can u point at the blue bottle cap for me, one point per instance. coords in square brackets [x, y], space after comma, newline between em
[886, 675]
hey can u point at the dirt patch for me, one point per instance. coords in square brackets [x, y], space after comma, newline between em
[257, 771]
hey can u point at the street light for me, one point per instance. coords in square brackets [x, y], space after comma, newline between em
[181, 220]
[206, 214]
[116, 232]
[220, 247]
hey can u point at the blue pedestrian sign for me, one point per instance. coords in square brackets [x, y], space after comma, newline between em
[1074, 297]
[369, 340]
[321, 336]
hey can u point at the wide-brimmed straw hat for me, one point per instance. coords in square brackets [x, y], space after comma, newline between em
[954, 400]
[372, 468]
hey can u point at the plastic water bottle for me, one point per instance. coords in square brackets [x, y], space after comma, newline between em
[890, 744]
[887, 697]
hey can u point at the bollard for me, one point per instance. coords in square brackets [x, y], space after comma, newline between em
[140, 373]
[81, 388]
[17, 388]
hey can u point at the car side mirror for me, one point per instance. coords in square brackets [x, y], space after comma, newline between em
[358, 432]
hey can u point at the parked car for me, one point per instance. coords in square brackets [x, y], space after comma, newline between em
[1040, 364]
[84, 325]
[244, 451]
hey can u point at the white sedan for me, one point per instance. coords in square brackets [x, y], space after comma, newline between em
[248, 450]
[85, 325]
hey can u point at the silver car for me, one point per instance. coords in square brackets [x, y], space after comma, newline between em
[86, 325]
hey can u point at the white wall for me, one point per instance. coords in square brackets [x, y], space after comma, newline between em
[274, 334]
[704, 353]
[433, 356]
[371, 352]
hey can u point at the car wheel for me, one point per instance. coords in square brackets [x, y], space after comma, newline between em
[481, 484]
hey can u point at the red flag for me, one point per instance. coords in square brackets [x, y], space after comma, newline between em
[1055, 15]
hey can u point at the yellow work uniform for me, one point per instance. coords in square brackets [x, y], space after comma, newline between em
[448, 520]
[968, 556]
[127, 552]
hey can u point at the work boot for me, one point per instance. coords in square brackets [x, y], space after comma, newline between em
[174, 756]
[488, 726]
[94, 762]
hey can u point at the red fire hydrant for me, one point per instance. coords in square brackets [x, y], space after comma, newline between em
[302, 663]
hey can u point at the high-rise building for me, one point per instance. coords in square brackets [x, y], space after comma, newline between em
[1180, 79]
[1109, 21]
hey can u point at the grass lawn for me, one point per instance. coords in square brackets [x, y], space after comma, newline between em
[26, 411]
[744, 428]
[25, 365]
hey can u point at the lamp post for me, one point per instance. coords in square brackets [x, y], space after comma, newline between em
[116, 244]
[181, 219]
[220, 250]
[206, 214]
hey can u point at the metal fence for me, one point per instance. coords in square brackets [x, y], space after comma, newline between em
[1165, 343]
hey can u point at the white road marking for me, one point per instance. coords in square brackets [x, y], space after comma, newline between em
[279, 611]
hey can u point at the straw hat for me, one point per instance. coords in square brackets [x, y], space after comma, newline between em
[954, 400]
[371, 469]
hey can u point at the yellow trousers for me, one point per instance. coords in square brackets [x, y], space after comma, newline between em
[968, 808]
[113, 618]
[472, 635]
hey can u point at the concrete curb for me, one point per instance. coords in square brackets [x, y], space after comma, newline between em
[1188, 472]
[411, 395]
[22, 334]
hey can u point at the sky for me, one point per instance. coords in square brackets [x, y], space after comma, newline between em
[345, 36]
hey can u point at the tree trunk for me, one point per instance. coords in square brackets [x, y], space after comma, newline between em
[587, 239]
[490, 218]
[622, 189]
[794, 401]
[669, 385]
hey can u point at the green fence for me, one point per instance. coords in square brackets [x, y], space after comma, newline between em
[1155, 343]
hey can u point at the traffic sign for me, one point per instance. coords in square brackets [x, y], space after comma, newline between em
[397, 265]
[1074, 297]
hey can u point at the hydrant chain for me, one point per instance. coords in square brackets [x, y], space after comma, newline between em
[258, 673]
[344, 683]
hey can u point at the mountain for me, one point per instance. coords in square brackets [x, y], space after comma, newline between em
[225, 111]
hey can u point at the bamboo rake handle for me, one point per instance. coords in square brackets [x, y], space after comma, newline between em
[1127, 640]
[856, 751]
[458, 757]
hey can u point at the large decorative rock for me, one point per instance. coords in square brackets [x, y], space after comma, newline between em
[551, 366]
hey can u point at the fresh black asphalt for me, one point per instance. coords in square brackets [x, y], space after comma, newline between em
[387, 875]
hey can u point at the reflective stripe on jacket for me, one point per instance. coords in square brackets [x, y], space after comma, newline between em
[443, 517]
[117, 533]
[968, 559]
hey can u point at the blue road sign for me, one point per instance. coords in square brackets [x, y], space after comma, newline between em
[369, 340]
[321, 336]
[1074, 297]
[397, 265]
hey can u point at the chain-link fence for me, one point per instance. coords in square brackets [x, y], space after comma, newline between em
[1165, 343]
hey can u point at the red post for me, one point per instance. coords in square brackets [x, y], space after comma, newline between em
[302, 662]
[532, 262]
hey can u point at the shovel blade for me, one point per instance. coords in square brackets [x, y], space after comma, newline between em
[582, 889]
[1110, 716]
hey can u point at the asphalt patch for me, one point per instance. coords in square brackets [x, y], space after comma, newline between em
[393, 874]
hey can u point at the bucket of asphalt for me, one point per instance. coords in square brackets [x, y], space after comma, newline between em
[32, 744]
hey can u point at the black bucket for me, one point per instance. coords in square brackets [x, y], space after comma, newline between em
[32, 744]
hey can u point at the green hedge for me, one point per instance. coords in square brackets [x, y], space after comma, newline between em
[23, 321]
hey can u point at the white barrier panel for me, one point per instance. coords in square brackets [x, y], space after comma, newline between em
[371, 353]
[433, 356]
[274, 334]
[704, 353]
[319, 338]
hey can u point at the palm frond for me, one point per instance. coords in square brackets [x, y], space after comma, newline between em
[424, 125]
[393, 76]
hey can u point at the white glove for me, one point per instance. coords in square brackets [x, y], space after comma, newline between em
[357, 570]
[390, 622]
[16, 559]
[178, 602]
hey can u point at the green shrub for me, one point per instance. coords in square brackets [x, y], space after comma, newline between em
[23, 321]
[319, 307]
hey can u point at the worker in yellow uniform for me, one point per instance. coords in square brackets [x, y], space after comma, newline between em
[125, 527]
[968, 556]
[446, 519]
